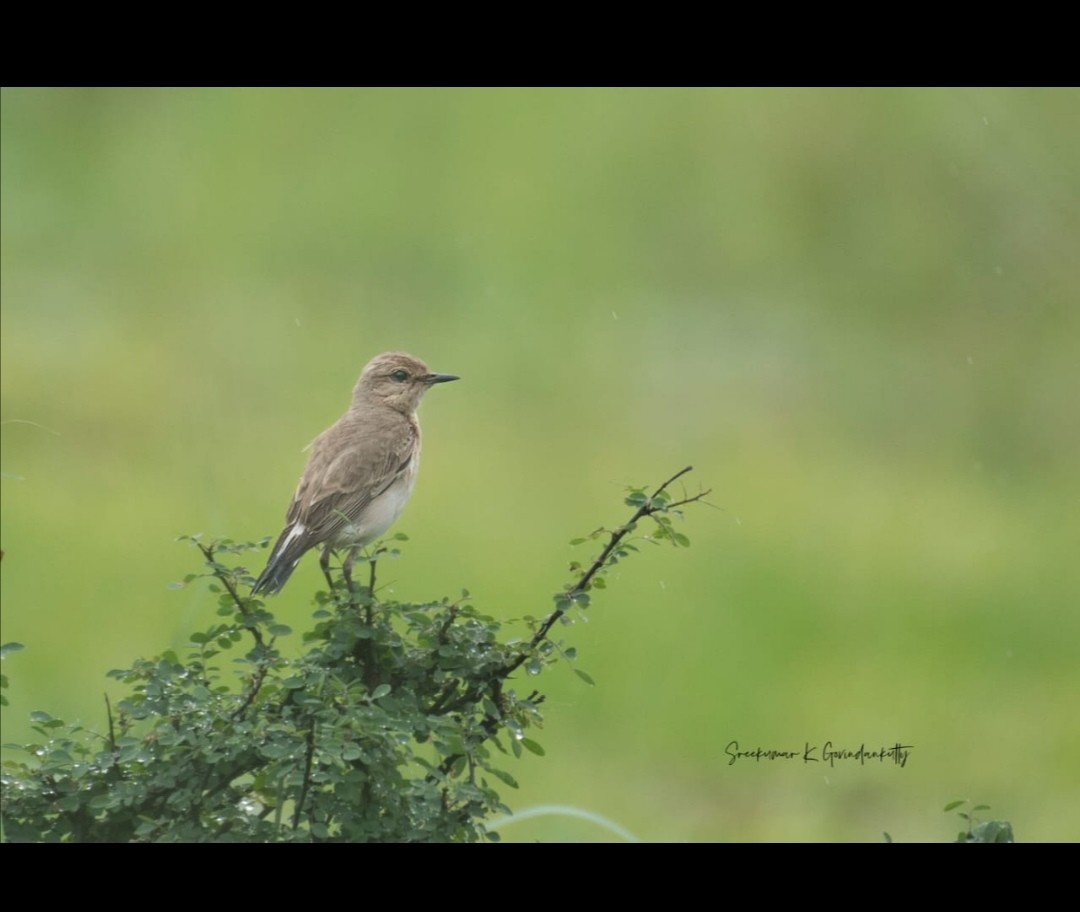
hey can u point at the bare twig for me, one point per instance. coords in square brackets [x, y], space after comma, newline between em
[489, 726]
[309, 755]
[208, 553]
[616, 536]
[256, 685]
[263, 666]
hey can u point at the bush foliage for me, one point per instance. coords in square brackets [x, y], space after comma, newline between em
[393, 724]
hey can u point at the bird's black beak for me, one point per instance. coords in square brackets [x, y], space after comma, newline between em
[431, 379]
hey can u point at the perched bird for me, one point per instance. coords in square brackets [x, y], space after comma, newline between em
[360, 472]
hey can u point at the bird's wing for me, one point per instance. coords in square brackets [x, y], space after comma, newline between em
[351, 464]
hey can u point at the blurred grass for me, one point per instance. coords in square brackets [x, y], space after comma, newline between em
[855, 312]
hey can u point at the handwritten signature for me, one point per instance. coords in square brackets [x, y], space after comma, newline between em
[825, 753]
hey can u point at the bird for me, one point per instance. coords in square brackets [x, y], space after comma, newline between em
[360, 473]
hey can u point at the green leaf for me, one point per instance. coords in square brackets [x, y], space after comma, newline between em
[993, 831]
[10, 648]
[531, 745]
[584, 677]
[381, 691]
[954, 804]
[504, 776]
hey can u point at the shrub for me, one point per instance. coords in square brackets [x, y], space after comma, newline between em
[391, 725]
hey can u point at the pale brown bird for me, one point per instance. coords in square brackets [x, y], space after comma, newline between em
[361, 470]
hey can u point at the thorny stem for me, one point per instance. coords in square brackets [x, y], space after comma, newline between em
[645, 510]
[260, 674]
[208, 553]
[256, 685]
[309, 755]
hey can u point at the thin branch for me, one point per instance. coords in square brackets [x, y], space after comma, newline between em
[263, 667]
[256, 685]
[448, 691]
[306, 784]
[208, 553]
[489, 726]
[645, 510]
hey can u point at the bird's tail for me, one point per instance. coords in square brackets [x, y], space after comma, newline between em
[283, 560]
[274, 577]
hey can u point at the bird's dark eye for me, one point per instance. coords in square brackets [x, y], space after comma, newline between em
[400, 376]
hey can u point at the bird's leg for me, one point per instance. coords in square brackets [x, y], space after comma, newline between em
[324, 562]
[346, 570]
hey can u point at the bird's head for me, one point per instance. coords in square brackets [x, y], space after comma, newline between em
[396, 380]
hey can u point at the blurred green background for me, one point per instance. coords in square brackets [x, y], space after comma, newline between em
[856, 313]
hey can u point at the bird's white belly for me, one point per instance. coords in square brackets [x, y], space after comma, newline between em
[380, 514]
